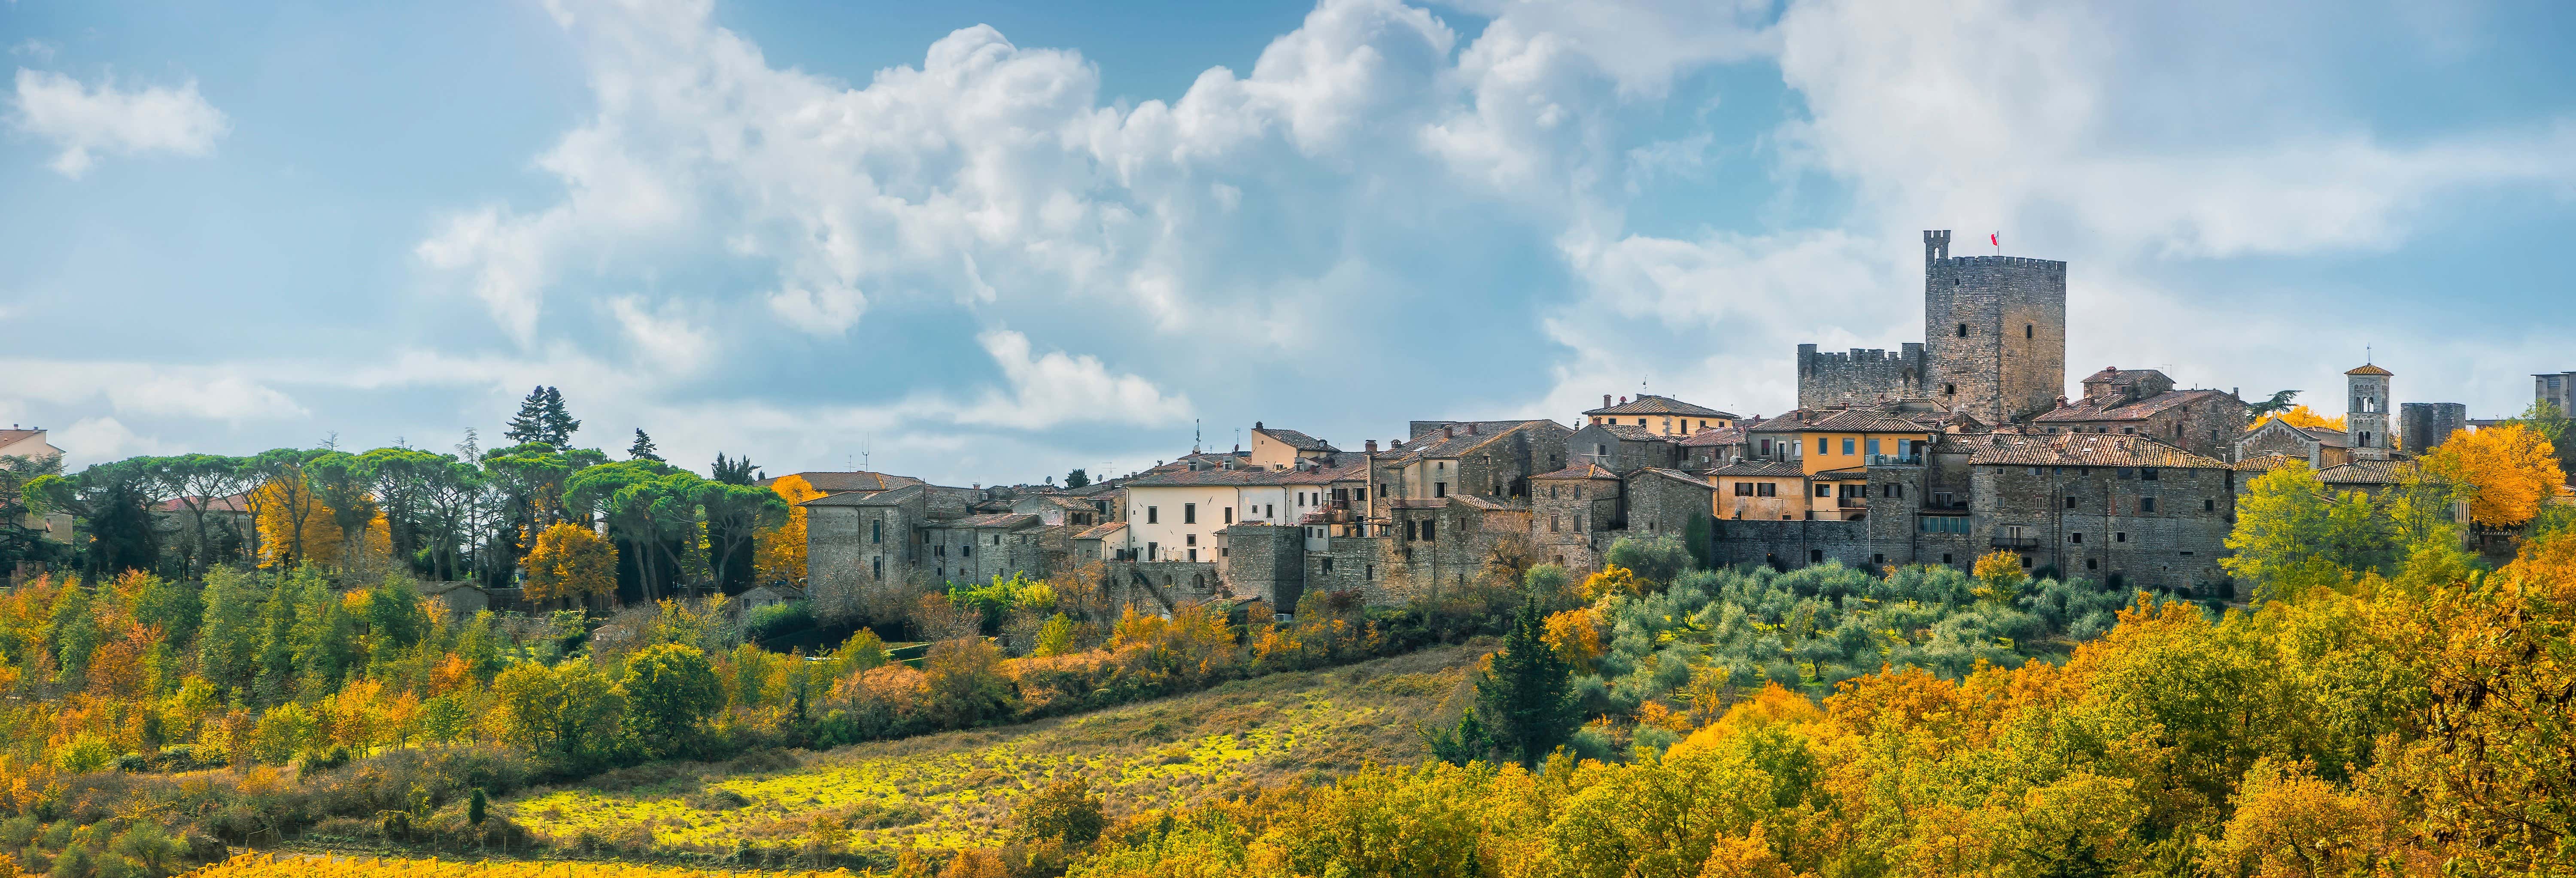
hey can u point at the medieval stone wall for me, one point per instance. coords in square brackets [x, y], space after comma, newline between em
[2097, 522]
[1858, 377]
[1994, 333]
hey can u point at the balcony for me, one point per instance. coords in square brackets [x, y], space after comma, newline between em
[1852, 502]
[1915, 459]
[2003, 541]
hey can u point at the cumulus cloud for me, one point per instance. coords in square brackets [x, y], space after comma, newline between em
[86, 121]
[1056, 388]
[212, 393]
[93, 440]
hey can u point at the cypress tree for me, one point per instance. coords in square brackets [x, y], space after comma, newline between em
[1525, 695]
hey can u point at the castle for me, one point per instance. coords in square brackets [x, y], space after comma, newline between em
[1994, 348]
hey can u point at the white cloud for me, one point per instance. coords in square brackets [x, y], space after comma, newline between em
[34, 49]
[85, 121]
[102, 439]
[223, 393]
[666, 339]
[1056, 388]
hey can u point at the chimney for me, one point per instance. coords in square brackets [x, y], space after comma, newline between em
[1372, 446]
[1623, 400]
[1448, 431]
[1256, 425]
[1471, 428]
[1605, 400]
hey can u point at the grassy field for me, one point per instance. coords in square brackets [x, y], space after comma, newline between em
[951, 790]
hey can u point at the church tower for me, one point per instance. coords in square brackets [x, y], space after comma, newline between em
[2365, 419]
[1994, 332]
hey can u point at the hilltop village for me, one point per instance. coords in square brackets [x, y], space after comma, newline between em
[1935, 453]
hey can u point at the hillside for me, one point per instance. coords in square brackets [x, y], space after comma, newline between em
[949, 790]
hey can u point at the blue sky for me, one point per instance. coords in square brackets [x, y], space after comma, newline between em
[990, 242]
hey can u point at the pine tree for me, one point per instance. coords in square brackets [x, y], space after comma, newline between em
[560, 424]
[1525, 695]
[643, 448]
[1077, 478]
[530, 424]
[735, 471]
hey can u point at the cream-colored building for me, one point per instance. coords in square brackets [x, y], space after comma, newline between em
[1660, 415]
[1277, 449]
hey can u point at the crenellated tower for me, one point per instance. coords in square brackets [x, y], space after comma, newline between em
[1994, 331]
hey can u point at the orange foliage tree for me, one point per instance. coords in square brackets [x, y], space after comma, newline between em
[779, 552]
[2507, 471]
[2301, 416]
[570, 561]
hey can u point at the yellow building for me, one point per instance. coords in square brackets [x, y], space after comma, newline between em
[1834, 449]
[1660, 415]
[1758, 489]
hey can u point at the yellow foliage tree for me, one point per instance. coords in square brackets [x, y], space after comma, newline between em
[2508, 471]
[295, 526]
[2000, 573]
[2301, 416]
[1613, 579]
[570, 561]
[1575, 635]
[779, 552]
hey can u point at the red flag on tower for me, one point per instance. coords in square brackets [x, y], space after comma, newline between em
[1996, 239]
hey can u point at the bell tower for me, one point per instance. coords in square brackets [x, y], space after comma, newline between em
[2365, 418]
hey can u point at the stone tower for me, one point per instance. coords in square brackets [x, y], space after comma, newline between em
[2365, 420]
[1994, 331]
[2421, 426]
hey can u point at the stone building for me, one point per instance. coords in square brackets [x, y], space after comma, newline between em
[2321, 447]
[1711, 448]
[2129, 510]
[2366, 417]
[1624, 448]
[1758, 489]
[1665, 501]
[1573, 512]
[1492, 459]
[2555, 388]
[2143, 402]
[1658, 415]
[1994, 342]
[2423, 426]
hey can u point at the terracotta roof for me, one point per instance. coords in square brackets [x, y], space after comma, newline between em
[234, 503]
[9, 436]
[1631, 432]
[2364, 472]
[2368, 369]
[835, 483]
[1296, 440]
[1650, 404]
[1585, 470]
[1695, 481]
[1101, 531]
[1767, 468]
[1430, 444]
[1714, 436]
[2269, 460]
[2327, 436]
[1849, 472]
[1867, 421]
[1485, 503]
[1251, 476]
[2091, 410]
[2082, 449]
[1013, 520]
[888, 497]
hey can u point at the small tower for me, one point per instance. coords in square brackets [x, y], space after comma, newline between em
[2365, 418]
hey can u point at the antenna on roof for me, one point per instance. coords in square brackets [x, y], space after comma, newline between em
[1194, 436]
[2365, 355]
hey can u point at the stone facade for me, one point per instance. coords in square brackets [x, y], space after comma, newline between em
[1573, 512]
[2143, 402]
[2365, 419]
[2422, 426]
[1623, 448]
[1665, 501]
[1859, 377]
[2125, 510]
[1790, 544]
[2558, 389]
[1994, 332]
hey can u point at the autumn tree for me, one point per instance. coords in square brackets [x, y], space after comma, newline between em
[2293, 534]
[2300, 416]
[570, 561]
[778, 553]
[569, 711]
[2507, 471]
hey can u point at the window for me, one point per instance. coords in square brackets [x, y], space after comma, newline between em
[1153, 515]
[1551, 523]
[2070, 502]
[1949, 390]
[1359, 495]
[2147, 473]
[1189, 513]
[1941, 498]
[1821, 448]
[1152, 549]
[1641, 422]
[1815, 556]
[1194, 554]
[2120, 537]
[1744, 489]
[2025, 331]
[1945, 559]
[1824, 490]
[2209, 505]
[1600, 449]
[1963, 330]
[1270, 510]
[1439, 489]
[2146, 505]
[2090, 563]
[1426, 530]
[1189, 539]
[1767, 489]
[1870, 446]
[2077, 537]
[2129, 430]
[1229, 515]
[966, 551]
[876, 531]
[1847, 447]
[876, 567]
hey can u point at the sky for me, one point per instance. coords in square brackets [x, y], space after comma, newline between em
[992, 242]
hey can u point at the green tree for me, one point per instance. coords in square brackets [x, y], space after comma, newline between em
[734, 516]
[1078, 478]
[2292, 534]
[569, 711]
[1066, 810]
[2278, 403]
[1657, 559]
[228, 643]
[1525, 694]
[669, 689]
[642, 448]
[542, 418]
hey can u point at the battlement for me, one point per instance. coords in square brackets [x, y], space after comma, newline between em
[1859, 375]
[2058, 265]
[1810, 359]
